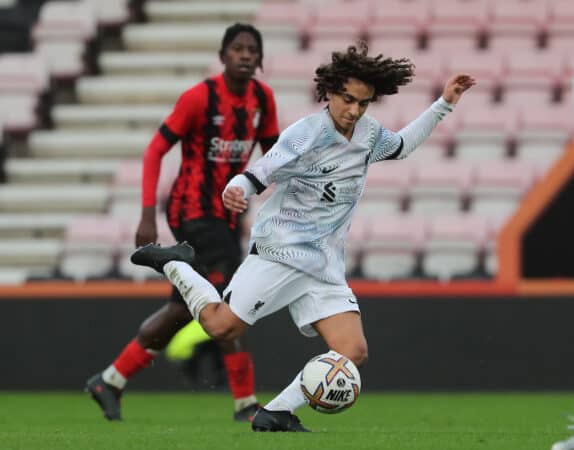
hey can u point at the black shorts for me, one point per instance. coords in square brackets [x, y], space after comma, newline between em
[217, 248]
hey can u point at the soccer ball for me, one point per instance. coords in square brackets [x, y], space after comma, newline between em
[330, 383]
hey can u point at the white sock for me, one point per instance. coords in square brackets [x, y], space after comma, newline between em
[244, 402]
[289, 399]
[196, 290]
[112, 377]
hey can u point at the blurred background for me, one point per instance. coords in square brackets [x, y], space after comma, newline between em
[461, 254]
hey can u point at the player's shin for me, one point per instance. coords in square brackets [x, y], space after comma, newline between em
[289, 399]
[195, 290]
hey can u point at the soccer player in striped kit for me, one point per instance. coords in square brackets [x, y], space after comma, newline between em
[297, 258]
[218, 121]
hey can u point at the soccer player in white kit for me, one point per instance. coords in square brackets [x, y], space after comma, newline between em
[297, 258]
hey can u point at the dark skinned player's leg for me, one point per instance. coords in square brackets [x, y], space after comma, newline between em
[218, 248]
[154, 333]
[159, 328]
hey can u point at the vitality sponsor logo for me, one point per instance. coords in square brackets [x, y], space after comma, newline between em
[221, 150]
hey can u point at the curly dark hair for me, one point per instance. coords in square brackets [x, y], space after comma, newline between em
[384, 74]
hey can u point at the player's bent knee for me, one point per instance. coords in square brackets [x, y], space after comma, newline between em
[224, 327]
[359, 355]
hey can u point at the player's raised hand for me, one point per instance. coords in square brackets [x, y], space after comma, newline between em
[234, 199]
[456, 86]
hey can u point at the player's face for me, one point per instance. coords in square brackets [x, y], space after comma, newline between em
[241, 57]
[347, 106]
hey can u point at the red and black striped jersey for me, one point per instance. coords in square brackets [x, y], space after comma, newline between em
[218, 131]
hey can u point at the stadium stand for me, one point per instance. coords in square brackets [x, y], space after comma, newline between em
[435, 215]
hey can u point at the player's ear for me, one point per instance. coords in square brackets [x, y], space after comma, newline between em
[221, 57]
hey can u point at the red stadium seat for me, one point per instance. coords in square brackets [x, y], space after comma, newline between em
[486, 66]
[453, 246]
[516, 24]
[439, 188]
[341, 18]
[498, 187]
[393, 46]
[400, 18]
[394, 243]
[90, 246]
[543, 133]
[561, 18]
[457, 25]
[534, 69]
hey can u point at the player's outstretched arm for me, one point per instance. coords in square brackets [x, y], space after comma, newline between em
[456, 86]
[234, 199]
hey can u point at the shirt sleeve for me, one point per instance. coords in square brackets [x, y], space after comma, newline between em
[411, 136]
[269, 131]
[388, 145]
[180, 120]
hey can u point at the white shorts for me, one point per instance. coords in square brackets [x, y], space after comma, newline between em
[261, 287]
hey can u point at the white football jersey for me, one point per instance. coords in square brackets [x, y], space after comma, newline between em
[319, 177]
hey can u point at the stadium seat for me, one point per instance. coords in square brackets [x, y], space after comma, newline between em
[89, 247]
[534, 69]
[486, 66]
[394, 46]
[31, 254]
[561, 19]
[393, 249]
[24, 81]
[342, 19]
[283, 24]
[385, 189]
[34, 225]
[18, 112]
[14, 277]
[457, 25]
[212, 11]
[61, 34]
[356, 243]
[90, 198]
[83, 144]
[132, 89]
[484, 130]
[294, 71]
[129, 117]
[516, 24]
[23, 73]
[543, 132]
[498, 187]
[36, 170]
[386, 114]
[290, 114]
[388, 178]
[111, 13]
[127, 179]
[400, 18]
[173, 37]
[190, 64]
[400, 109]
[453, 247]
[439, 188]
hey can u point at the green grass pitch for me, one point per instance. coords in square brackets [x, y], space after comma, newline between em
[502, 421]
